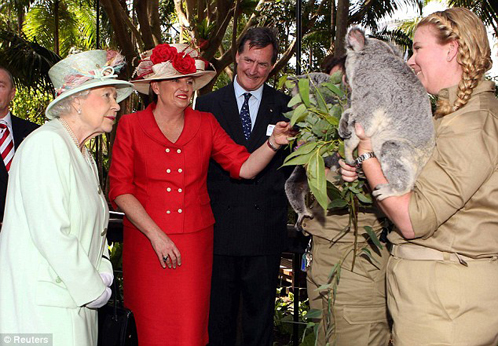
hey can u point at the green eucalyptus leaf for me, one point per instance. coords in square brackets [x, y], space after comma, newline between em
[341, 149]
[313, 101]
[290, 84]
[313, 313]
[336, 77]
[298, 160]
[300, 114]
[304, 90]
[320, 100]
[316, 179]
[288, 114]
[364, 198]
[333, 192]
[366, 252]
[325, 287]
[294, 101]
[336, 111]
[335, 89]
[337, 203]
[373, 236]
[333, 272]
[320, 128]
[354, 189]
[334, 121]
[303, 149]
[281, 81]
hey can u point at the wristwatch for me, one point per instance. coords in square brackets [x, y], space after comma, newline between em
[359, 160]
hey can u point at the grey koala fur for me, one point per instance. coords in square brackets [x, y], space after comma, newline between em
[392, 106]
[296, 186]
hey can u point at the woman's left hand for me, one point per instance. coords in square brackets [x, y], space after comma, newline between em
[281, 133]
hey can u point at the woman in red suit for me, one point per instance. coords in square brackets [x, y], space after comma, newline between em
[158, 178]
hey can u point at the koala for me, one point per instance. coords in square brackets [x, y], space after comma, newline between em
[392, 106]
[296, 186]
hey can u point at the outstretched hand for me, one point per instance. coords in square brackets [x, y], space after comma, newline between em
[282, 132]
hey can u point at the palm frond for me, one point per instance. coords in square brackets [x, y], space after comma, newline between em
[487, 10]
[28, 61]
[370, 12]
[397, 36]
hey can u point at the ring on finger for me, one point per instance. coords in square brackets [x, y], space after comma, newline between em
[165, 258]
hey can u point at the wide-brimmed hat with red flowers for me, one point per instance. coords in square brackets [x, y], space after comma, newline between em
[170, 61]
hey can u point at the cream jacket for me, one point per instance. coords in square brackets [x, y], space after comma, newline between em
[53, 241]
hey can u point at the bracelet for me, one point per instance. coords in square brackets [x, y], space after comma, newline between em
[363, 157]
[271, 145]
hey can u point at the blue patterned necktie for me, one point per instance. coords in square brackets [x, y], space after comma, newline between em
[245, 117]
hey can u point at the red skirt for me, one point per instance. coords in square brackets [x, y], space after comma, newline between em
[171, 306]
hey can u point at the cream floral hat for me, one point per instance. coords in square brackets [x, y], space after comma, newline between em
[170, 61]
[87, 70]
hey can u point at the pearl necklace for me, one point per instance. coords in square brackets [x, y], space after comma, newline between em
[73, 137]
[84, 151]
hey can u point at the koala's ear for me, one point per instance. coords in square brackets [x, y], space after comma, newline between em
[355, 39]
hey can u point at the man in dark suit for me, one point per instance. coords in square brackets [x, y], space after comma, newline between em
[251, 215]
[12, 130]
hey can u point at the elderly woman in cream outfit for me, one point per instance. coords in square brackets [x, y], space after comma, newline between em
[54, 263]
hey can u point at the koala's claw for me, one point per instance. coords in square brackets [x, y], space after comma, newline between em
[382, 191]
[350, 162]
[300, 220]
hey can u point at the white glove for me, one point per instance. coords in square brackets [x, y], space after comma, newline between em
[100, 301]
[107, 278]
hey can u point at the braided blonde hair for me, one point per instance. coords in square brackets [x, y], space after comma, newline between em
[474, 54]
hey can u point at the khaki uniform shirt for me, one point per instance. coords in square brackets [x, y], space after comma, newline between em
[454, 204]
[333, 224]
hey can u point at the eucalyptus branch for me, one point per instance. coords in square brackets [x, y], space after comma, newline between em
[316, 111]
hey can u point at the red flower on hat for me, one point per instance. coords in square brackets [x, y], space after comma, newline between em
[184, 63]
[162, 53]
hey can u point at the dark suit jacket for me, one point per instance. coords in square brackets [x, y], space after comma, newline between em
[251, 215]
[21, 129]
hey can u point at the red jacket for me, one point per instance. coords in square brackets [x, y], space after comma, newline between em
[169, 179]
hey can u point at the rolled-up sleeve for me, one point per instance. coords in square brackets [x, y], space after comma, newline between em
[464, 158]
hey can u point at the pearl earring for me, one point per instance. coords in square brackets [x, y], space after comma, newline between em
[78, 111]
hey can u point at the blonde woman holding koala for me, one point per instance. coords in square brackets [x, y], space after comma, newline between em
[443, 272]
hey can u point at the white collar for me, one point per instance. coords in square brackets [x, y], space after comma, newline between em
[239, 91]
[8, 120]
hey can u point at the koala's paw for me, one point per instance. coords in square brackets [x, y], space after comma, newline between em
[383, 191]
[300, 220]
[350, 161]
[344, 130]
[348, 157]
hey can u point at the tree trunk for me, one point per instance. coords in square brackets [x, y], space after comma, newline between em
[332, 24]
[56, 27]
[342, 27]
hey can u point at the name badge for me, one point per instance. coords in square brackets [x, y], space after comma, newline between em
[269, 130]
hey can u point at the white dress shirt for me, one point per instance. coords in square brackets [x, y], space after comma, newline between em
[254, 101]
